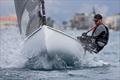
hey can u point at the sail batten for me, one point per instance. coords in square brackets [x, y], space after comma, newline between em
[28, 15]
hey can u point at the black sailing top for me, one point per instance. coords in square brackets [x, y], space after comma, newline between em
[101, 33]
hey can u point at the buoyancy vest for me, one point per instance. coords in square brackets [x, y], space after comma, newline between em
[103, 36]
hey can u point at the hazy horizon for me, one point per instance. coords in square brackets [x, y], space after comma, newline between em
[63, 10]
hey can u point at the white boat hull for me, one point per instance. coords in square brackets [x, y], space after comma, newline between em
[52, 45]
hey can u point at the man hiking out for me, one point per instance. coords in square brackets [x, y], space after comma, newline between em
[99, 37]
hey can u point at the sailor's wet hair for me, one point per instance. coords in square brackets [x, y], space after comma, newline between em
[98, 16]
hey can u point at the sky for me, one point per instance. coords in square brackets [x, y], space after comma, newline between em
[63, 10]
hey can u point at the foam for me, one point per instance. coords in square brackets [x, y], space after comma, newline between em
[11, 56]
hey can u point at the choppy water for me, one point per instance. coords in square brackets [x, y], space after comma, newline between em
[103, 66]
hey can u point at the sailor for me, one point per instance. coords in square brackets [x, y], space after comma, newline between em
[100, 35]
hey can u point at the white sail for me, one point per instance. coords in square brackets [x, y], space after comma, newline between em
[28, 15]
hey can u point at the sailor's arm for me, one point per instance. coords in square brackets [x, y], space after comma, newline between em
[99, 31]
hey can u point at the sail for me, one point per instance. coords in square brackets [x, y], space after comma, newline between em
[28, 15]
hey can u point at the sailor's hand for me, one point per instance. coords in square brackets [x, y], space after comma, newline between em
[93, 40]
[84, 34]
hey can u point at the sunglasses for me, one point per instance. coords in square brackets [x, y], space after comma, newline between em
[95, 20]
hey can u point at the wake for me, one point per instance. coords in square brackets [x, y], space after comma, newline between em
[11, 56]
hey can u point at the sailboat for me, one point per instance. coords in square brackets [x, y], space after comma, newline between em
[44, 46]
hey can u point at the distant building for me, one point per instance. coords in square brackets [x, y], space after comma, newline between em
[65, 24]
[80, 21]
[113, 22]
[117, 22]
[50, 22]
[8, 20]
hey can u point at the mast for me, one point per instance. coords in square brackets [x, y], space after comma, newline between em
[43, 13]
[94, 10]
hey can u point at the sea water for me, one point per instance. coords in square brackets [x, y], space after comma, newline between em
[102, 66]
